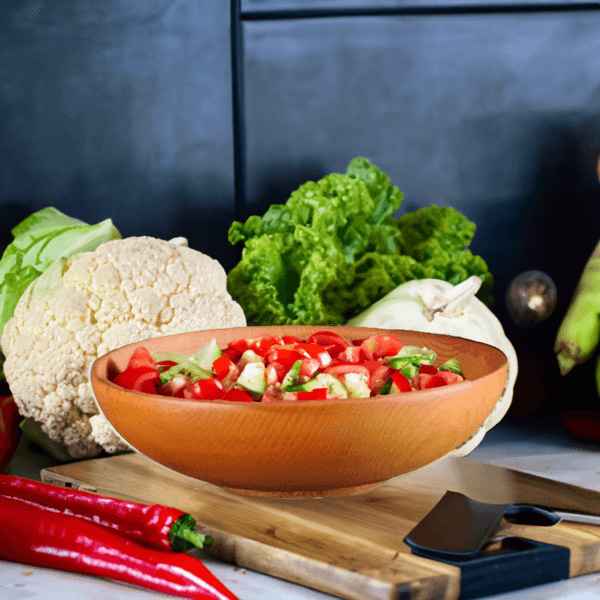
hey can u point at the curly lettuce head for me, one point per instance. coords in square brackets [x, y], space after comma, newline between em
[334, 248]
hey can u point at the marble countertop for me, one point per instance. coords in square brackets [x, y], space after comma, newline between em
[540, 447]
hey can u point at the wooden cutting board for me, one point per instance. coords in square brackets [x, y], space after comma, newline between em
[352, 546]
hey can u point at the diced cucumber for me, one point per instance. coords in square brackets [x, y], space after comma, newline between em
[249, 356]
[331, 382]
[291, 377]
[206, 356]
[357, 385]
[412, 355]
[185, 367]
[252, 378]
[452, 365]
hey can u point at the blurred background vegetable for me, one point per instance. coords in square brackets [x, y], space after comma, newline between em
[531, 298]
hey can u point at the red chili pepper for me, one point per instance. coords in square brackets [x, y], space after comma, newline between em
[158, 526]
[61, 541]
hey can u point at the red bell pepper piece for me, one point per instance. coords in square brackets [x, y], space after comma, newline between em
[223, 366]
[290, 339]
[158, 526]
[316, 394]
[237, 395]
[65, 542]
[401, 381]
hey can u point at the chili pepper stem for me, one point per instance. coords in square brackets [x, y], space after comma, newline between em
[182, 534]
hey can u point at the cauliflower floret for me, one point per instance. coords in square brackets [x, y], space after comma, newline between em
[125, 291]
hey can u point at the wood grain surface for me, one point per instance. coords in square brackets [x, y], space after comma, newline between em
[349, 546]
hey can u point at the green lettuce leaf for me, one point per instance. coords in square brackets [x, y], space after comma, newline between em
[40, 239]
[334, 248]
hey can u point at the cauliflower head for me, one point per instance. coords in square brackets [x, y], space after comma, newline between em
[125, 291]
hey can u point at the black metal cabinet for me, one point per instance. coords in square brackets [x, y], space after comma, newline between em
[495, 114]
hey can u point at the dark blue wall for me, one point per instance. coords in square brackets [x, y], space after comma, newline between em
[119, 109]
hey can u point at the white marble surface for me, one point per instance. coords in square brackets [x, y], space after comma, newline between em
[543, 448]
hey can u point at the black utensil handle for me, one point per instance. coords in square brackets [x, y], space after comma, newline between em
[516, 564]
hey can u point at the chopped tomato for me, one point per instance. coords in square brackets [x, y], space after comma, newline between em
[262, 344]
[171, 388]
[343, 368]
[425, 381]
[329, 340]
[308, 369]
[314, 351]
[139, 379]
[240, 345]
[236, 395]
[401, 381]
[284, 356]
[379, 375]
[428, 369]
[232, 354]
[141, 357]
[290, 339]
[351, 354]
[378, 346]
[205, 389]
[274, 373]
[449, 377]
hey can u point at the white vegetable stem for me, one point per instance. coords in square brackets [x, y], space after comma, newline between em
[455, 301]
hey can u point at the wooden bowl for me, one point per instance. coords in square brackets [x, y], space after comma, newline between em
[302, 449]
